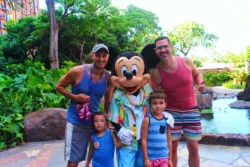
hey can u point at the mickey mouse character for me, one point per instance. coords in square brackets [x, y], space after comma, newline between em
[129, 105]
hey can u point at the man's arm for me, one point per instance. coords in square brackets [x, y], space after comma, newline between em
[69, 79]
[198, 79]
[170, 164]
[108, 95]
[155, 80]
[144, 141]
[91, 152]
[116, 140]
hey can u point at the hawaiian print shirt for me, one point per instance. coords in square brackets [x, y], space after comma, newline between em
[128, 115]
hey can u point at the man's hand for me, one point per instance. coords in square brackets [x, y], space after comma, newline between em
[112, 129]
[87, 164]
[170, 163]
[125, 135]
[146, 163]
[81, 98]
[201, 87]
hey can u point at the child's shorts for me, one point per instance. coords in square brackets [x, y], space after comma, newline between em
[162, 162]
[186, 122]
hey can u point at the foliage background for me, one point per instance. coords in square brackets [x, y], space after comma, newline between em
[25, 88]
[27, 82]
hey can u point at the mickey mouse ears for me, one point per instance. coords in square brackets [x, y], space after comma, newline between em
[149, 56]
[112, 56]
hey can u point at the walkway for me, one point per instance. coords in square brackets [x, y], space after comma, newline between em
[222, 92]
[50, 154]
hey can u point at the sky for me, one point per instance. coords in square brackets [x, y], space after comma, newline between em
[228, 19]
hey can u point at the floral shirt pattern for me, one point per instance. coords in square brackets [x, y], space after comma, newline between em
[129, 116]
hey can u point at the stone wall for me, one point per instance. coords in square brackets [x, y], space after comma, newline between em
[205, 70]
[225, 139]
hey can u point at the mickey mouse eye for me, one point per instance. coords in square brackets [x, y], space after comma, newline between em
[124, 70]
[134, 69]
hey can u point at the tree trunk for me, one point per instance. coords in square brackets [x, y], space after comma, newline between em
[82, 58]
[54, 30]
[94, 34]
[247, 67]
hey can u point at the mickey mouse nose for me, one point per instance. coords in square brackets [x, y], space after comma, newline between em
[129, 75]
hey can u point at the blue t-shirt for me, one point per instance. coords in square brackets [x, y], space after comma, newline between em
[104, 150]
[95, 90]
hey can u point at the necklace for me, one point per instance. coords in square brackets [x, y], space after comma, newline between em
[100, 75]
[141, 98]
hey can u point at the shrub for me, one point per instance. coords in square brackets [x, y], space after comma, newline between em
[216, 78]
[231, 85]
[238, 80]
[239, 77]
[25, 88]
[197, 63]
[240, 65]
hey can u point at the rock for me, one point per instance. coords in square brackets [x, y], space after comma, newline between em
[46, 124]
[236, 140]
[240, 104]
[204, 100]
[208, 90]
[219, 92]
[245, 94]
[226, 139]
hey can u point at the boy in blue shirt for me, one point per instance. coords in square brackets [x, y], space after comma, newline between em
[102, 143]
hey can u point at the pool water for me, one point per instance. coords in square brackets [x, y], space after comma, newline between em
[225, 119]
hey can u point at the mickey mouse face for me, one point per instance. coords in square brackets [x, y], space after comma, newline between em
[129, 68]
[129, 73]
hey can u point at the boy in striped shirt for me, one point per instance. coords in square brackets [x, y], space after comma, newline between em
[156, 133]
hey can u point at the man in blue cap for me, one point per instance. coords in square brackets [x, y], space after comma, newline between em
[89, 84]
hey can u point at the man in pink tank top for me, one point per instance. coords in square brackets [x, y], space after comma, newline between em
[176, 76]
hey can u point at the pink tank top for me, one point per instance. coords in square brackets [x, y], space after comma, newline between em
[179, 87]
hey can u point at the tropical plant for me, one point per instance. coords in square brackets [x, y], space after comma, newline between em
[247, 53]
[186, 36]
[25, 88]
[233, 58]
[239, 77]
[66, 8]
[14, 47]
[232, 85]
[197, 61]
[216, 78]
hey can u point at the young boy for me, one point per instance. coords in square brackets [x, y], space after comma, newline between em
[102, 143]
[156, 134]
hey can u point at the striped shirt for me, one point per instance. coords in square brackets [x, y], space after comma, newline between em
[157, 138]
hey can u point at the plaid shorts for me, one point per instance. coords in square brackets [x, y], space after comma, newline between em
[187, 122]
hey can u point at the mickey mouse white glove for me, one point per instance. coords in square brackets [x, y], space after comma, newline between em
[125, 135]
[169, 118]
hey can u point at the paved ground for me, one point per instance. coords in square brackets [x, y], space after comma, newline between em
[222, 92]
[50, 154]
